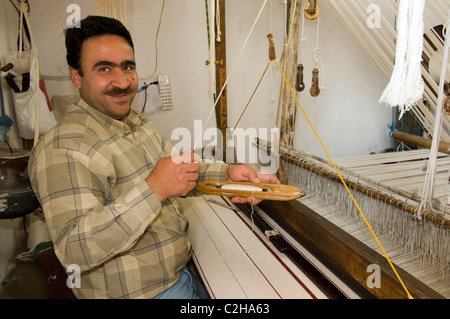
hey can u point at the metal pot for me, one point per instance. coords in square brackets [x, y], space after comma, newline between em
[17, 198]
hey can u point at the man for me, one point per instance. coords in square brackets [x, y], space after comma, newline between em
[108, 184]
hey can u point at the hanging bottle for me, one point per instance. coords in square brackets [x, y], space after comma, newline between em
[299, 84]
[315, 90]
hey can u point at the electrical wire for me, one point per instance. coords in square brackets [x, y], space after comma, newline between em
[156, 41]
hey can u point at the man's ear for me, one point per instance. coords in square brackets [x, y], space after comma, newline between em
[75, 77]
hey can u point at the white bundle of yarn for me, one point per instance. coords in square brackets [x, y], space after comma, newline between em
[406, 85]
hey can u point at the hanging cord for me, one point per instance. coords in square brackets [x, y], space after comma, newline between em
[317, 57]
[299, 84]
[342, 180]
[18, 8]
[5, 121]
[219, 33]
[303, 39]
[253, 222]
[156, 41]
[212, 49]
[315, 87]
[24, 15]
[272, 100]
[428, 190]
[207, 23]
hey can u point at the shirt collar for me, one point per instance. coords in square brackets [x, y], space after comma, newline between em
[134, 120]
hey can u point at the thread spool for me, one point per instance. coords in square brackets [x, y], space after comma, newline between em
[272, 54]
[299, 85]
[315, 90]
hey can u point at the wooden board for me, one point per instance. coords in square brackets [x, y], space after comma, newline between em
[236, 263]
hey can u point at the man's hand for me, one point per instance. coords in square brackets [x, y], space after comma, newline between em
[246, 173]
[174, 176]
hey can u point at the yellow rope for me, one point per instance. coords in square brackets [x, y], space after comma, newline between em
[342, 180]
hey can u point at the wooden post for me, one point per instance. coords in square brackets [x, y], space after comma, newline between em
[420, 141]
[221, 77]
[289, 104]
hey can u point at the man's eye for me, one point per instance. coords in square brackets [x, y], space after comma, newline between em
[104, 69]
[128, 68]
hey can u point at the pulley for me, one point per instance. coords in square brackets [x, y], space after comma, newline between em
[312, 10]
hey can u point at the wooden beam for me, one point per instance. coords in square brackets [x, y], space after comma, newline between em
[420, 141]
[288, 114]
[221, 76]
[343, 253]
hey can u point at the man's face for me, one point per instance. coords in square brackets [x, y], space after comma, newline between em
[109, 81]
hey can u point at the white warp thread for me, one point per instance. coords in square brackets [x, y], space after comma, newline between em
[428, 188]
[406, 85]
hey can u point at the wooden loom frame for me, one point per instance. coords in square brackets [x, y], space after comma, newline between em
[435, 218]
[342, 252]
[439, 219]
[339, 249]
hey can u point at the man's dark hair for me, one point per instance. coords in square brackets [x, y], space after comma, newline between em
[92, 26]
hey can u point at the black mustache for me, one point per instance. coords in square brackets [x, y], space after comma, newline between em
[118, 91]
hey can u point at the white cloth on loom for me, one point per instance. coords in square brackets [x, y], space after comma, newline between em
[406, 85]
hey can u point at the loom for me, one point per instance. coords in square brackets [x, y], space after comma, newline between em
[387, 190]
[418, 246]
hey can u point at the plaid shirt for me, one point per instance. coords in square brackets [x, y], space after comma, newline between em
[89, 175]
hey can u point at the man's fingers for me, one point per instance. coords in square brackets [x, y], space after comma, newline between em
[244, 200]
[269, 179]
